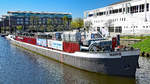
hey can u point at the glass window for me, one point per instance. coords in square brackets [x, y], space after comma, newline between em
[147, 6]
[18, 22]
[26, 19]
[142, 8]
[120, 10]
[26, 23]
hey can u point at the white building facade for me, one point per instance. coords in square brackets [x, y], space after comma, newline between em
[125, 17]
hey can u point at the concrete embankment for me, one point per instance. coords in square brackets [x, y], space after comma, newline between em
[141, 42]
[136, 43]
[128, 42]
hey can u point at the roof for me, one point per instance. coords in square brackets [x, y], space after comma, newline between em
[10, 12]
[122, 1]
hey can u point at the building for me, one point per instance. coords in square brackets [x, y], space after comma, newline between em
[0, 26]
[4, 23]
[124, 17]
[36, 20]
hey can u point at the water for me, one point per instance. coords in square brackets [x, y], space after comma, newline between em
[18, 66]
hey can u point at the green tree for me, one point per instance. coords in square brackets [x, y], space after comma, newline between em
[42, 29]
[7, 28]
[31, 27]
[65, 22]
[34, 21]
[19, 28]
[2, 29]
[60, 28]
[49, 25]
[37, 23]
[77, 23]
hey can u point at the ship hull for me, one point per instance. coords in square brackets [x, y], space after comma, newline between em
[116, 65]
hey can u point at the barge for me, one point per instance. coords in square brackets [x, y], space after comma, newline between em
[99, 55]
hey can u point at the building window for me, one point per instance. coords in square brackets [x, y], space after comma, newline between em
[136, 26]
[111, 29]
[128, 10]
[142, 8]
[137, 7]
[120, 10]
[26, 23]
[147, 6]
[123, 9]
[124, 19]
[26, 19]
[90, 15]
[118, 29]
[18, 22]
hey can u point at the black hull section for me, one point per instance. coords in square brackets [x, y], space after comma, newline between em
[124, 66]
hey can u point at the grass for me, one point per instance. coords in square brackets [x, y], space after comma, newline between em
[144, 45]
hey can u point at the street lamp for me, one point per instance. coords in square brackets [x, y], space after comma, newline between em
[145, 9]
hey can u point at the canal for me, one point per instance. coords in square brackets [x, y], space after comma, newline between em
[18, 66]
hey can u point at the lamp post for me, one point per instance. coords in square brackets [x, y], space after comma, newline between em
[3, 25]
[145, 9]
[9, 24]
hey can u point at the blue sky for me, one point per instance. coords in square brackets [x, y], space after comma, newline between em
[76, 7]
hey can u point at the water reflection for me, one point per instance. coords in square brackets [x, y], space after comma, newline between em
[63, 74]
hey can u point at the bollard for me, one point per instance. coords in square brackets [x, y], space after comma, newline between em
[147, 55]
[143, 53]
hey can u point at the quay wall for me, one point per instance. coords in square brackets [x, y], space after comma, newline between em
[128, 42]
